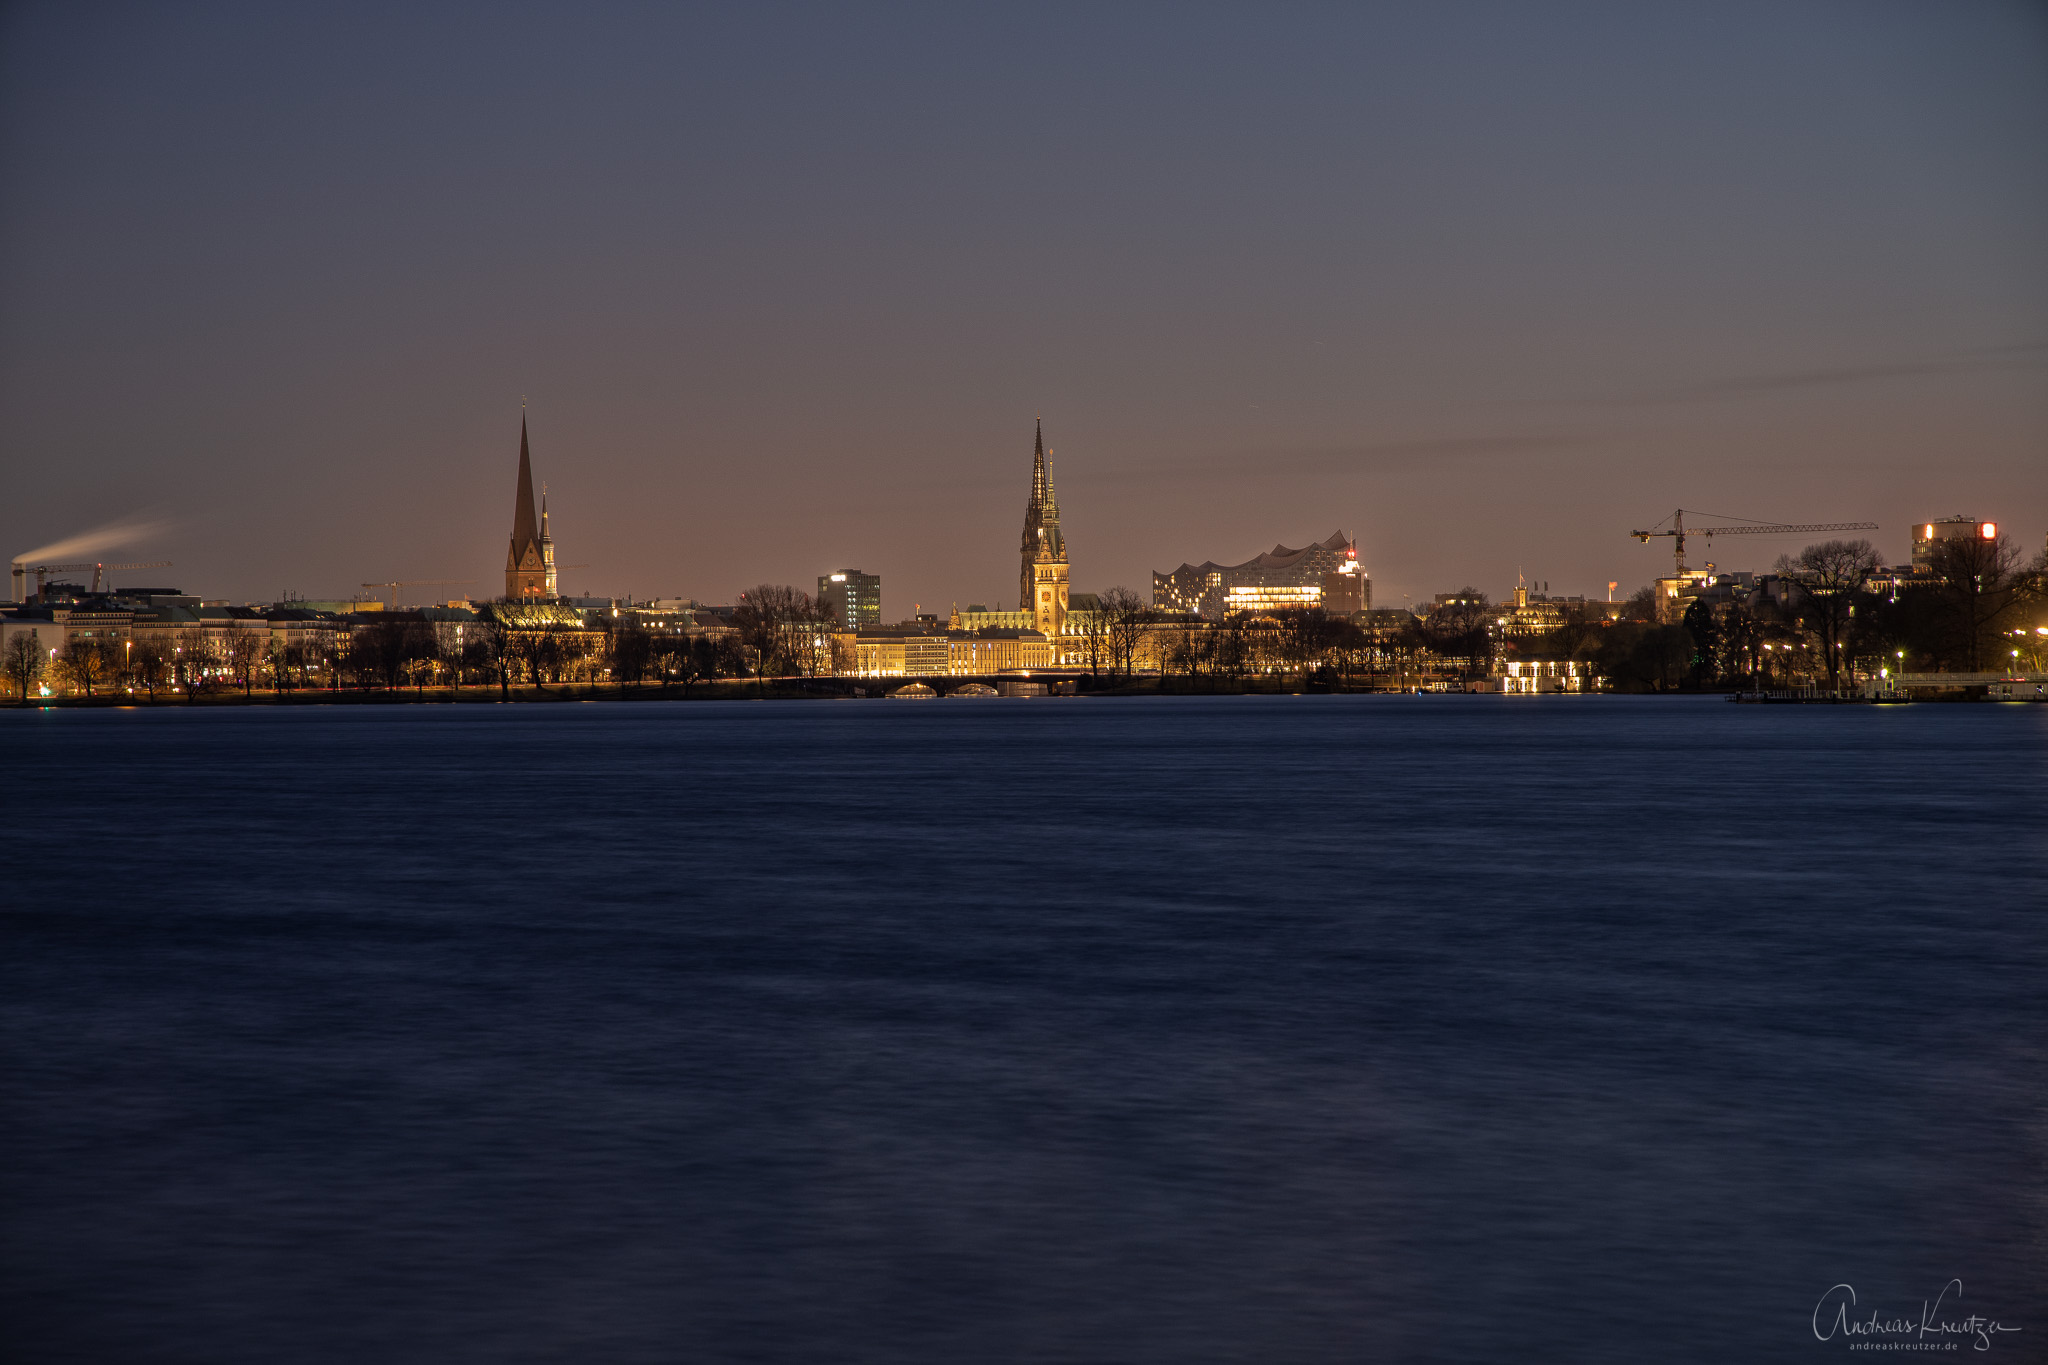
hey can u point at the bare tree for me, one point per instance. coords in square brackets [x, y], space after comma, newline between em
[777, 623]
[533, 651]
[1125, 616]
[696, 660]
[560, 652]
[411, 644]
[244, 651]
[1191, 650]
[844, 654]
[1347, 648]
[1982, 586]
[1742, 642]
[422, 647]
[23, 662]
[1234, 646]
[758, 618]
[1641, 606]
[1830, 575]
[378, 654]
[728, 657]
[490, 650]
[1577, 634]
[86, 661]
[631, 650]
[1088, 623]
[1307, 637]
[810, 645]
[194, 660]
[1461, 630]
[149, 663]
[446, 644]
[359, 661]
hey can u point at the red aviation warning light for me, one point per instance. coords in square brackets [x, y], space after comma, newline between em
[1989, 530]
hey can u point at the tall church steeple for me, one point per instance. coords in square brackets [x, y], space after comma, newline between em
[523, 525]
[1042, 581]
[1038, 464]
[530, 562]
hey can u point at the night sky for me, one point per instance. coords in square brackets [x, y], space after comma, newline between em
[1486, 286]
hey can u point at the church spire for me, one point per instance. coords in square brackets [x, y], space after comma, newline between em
[530, 560]
[524, 525]
[1042, 574]
[1038, 484]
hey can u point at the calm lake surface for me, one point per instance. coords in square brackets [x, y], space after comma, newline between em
[1228, 1029]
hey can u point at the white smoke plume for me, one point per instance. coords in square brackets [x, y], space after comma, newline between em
[112, 536]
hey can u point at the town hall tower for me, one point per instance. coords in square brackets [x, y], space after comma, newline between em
[1042, 585]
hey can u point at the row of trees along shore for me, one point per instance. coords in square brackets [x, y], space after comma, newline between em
[379, 655]
[1970, 613]
[776, 632]
[1973, 611]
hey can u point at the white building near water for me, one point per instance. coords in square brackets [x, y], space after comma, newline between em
[1530, 677]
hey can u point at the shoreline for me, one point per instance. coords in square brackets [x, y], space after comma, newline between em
[786, 689]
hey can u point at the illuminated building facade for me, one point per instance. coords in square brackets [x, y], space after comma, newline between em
[1533, 677]
[999, 651]
[1928, 534]
[1278, 579]
[1264, 597]
[1534, 612]
[977, 616]
[898, 653]
[854, 598]
[1347, 590]
[894, 653]
[1042, 582]
[530, 563]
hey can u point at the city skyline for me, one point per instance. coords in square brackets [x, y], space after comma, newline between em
[530, 569]
[280, 292]
[1164, 682]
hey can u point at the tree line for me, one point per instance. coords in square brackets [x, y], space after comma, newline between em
[1840, 620]
[376, 656]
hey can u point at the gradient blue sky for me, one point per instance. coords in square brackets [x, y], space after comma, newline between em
[784, 286]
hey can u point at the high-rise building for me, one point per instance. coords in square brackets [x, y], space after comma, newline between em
[1042, 584]
[854, 598]
[1347, 590]
[530, 563]
[1275, 580]
[1928, 534]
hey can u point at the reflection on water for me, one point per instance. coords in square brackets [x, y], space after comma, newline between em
[1302, 1029]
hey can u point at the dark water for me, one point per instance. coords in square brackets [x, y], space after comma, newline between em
[1291, 1029]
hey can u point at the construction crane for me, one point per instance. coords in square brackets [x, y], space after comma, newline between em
[1678, 531]
[43, 572]
[396, 583]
